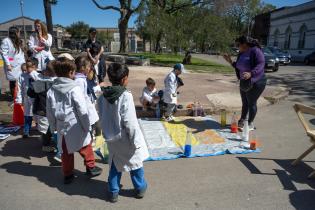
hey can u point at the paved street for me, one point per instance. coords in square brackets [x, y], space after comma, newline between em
[264, 180]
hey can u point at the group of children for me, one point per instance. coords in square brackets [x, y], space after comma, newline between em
[64, 99]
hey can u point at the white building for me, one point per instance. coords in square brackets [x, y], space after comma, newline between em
[59, 35]
[293, 29]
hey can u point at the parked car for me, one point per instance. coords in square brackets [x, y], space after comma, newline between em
[271, 61]
[310, 58]
[284, 58]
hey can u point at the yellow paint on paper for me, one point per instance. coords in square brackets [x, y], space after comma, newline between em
[178, 133]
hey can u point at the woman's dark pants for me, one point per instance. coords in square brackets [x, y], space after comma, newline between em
[250, 98]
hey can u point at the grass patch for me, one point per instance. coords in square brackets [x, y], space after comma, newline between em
[198, 65]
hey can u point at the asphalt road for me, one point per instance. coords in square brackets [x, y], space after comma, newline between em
[263, 180]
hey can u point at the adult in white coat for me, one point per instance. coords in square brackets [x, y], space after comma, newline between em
[13, 57]
[170, 90]
[40, 43]
[126, 145]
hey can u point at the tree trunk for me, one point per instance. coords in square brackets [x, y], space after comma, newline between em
[47, 7]
[158, 43]
[123, 30]
[143, 43]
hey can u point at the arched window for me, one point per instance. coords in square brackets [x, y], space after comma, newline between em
[302, 36]
[287, 41]
[275, 38]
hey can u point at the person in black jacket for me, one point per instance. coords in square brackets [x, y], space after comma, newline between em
[95, 50]
[38, 92]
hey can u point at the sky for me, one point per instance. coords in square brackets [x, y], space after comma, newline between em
[69, 11]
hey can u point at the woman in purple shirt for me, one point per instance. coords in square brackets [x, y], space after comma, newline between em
[250, 70]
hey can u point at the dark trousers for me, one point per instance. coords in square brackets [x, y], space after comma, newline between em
[101, 69]
[12, 87]
[250, 98]
[27, 124]
[46, 138]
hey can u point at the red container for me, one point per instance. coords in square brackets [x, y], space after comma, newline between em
[234, 128]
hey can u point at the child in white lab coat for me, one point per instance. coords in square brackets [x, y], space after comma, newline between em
[84, 66]
[38, 92]
[67, 113]
[170, 90]
[126, 145]
[149, 96]
[24, 83]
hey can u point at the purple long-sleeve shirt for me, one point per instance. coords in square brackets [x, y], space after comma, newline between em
[257, 68]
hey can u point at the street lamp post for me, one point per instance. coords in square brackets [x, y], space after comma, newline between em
[24, 31]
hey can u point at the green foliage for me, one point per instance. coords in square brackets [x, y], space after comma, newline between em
[78, 30]
[198, 65]
[105, 37]
[181, 25]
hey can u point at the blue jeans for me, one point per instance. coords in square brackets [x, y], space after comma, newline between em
[27, 124]
[250, 98]
[137, 178]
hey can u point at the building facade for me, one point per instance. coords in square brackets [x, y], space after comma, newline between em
[134, 41]
[293, 29]
[59, 35]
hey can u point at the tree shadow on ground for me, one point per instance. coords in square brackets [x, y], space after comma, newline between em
[300, 199]
[301, 84]
[51, 176]
[198, 126]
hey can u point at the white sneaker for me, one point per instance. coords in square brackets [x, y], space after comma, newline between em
[251, 127]
[170, 119]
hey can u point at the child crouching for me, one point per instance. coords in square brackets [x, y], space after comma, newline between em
[69, 116]
[126, 145]
[150, 95]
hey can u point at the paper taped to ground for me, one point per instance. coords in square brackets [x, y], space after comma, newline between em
[8, 129]
[166, 140]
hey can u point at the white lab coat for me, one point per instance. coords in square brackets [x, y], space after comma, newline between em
[69, 117]
[13, 58]
[44, 55]
[24, 82]
[126, 145]
[170, 90]
[148, 95]
[80, 79]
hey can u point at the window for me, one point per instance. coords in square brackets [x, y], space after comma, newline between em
[275, 38]
[288, 35]
[302, 36]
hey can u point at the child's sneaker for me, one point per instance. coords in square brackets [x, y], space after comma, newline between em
[113, 197]
[58, 157]
[140, 193]
[93, 172]
[68, 179]
[170, 119]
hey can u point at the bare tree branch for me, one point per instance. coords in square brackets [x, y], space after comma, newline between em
[139, 6]
[105, 7]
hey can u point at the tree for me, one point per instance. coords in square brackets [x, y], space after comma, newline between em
[78, 30]
[126, 10]
[241, 14]
[47, 8]
[105, 37]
